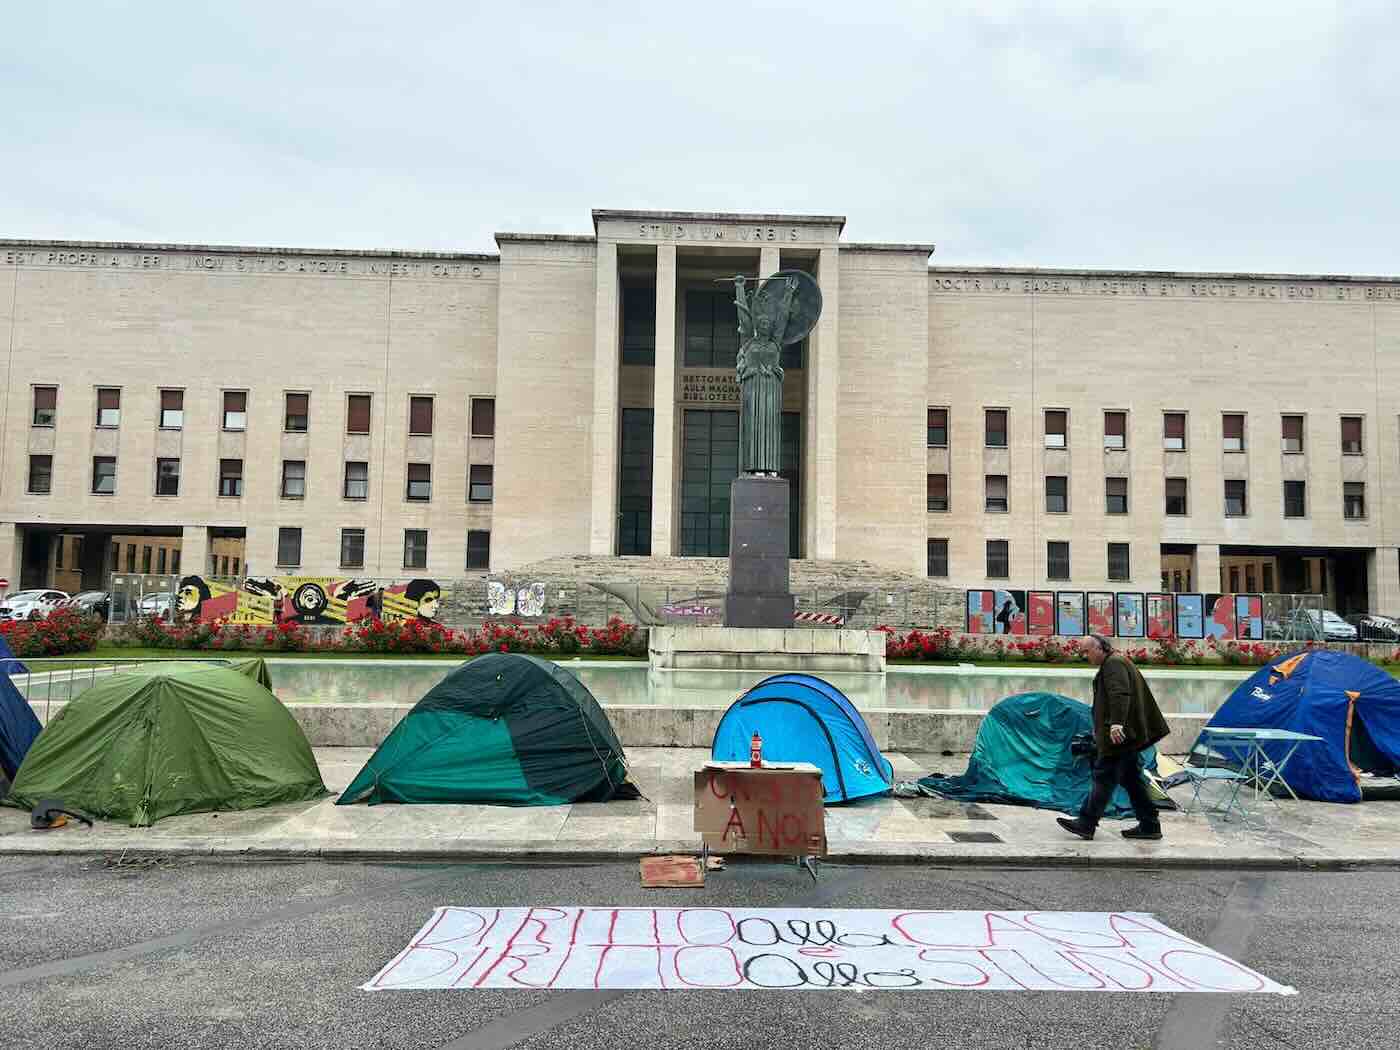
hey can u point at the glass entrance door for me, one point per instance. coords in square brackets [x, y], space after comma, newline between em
[710, 451]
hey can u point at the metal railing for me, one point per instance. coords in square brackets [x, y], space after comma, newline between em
[61, 678]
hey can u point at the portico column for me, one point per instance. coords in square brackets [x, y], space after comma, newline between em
[602, 537]
[1383, 580]
[194, 550]
[823, 373]
[769, 261]
[663, 406]
[1207, 578]
[11, 552]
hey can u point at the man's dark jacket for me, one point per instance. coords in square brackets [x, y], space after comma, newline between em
[1122, 698]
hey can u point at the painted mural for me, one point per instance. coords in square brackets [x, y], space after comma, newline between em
[1220, 616]
[1159, 616]
[996, 612]
[269, 600]
[1069, 613]
[1124, 614]
[1042, 612]
[1101, 608]
[1190, 617]
[1131, 616]
[1249, 617]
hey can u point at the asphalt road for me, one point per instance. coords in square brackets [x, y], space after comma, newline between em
[196, 954]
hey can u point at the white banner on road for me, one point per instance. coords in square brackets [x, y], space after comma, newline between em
[810, 949]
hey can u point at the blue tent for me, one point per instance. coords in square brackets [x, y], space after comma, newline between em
[804, 719]
[18, 727]
[1353, 705]
[9, 663]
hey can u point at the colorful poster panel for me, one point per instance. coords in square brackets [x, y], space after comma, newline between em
[1069, 613]
[1190, 622]
[1220, 616]
[1159, 616]
[1131, 622]
[1042, 612]
[1249, 617]
[979, 611]
[1101, 613]
[996, 612]
[268, 600]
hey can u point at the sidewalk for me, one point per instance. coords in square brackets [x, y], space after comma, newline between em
[882, 830]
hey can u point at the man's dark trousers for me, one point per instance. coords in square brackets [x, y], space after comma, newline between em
[1109, 772]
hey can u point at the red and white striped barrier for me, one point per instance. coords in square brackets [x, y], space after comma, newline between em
[828, 619]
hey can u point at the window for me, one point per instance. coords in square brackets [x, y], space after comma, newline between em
[1354, 500]
[230, 477]
[116, 558]
[1351, 436]
[1295, 503]
[1293, 433]
[352, 548]
[1115, 495]
[109, 406]
[937, 428]
[160, 561]
[1115, 430]
[420, 482]
[293, 479]
[479, 483]
[415, 548]
[1174, 431]
[938, 558]
[235, 410]
[288, 547]
[998, 559]
[1056, 494]
[175, 562]
[478, 549]
[146, 560]
[483, 417]
[1232, 425]
[357, 413]
[1235, 501]
[131, 557]
[1176, 497]
[167, 477]
[59, 543]
[356, 480]
[1249, 578]
[1055, 420]
[996, 494]
[40, 474]
[1118, 565]
[1234, 579]
[996, 428]
[45, 406]
[298, 413]
[172, 409]
[223, 568]
[420, 415]
[937, 493]
[711, 328]
[1057, 560]
[104, 475]
[1268, 578]
[638, 326]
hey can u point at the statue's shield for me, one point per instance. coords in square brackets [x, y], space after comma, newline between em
[806, 303]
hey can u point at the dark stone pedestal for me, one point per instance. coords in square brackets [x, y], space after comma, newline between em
[759, 595]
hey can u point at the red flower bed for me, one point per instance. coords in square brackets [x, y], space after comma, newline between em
[63, 631]
[941, 644]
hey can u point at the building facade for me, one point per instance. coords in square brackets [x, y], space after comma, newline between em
[394, 414]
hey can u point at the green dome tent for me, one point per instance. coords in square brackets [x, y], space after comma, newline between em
[503, 728]
[170, 738]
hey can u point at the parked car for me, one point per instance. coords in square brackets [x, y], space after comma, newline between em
[1329, 626]
[31, 605]
[1372, 627]
[154, 605]
[93, 603]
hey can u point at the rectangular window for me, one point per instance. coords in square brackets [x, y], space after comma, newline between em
[1118, 565]
[40, 474]
[235, 410]
[1057, 560]
[998, 559]
[356, 479]
[45, 406]
[1115, 495]
[1232, 426]
[1351, 436]
[146, 560]
[104, 475]
[638, 326]
[288, 547]
[1056, 494]
[480, 483]
[1176, 497]
[711, 328]
[1268, 578]
[937, 428]
[1295, 504]
[483, 417]
[1293, 433]
[478, 549]
[352, 548]
[167, 477]
[1115, 430]
[415, 548]
[420, 482]
[357, 413]
[160, 561]
[294, 479]
[1174, 431]
[996, 428]
[172, 409]
[1236, 503]
[420, 415]
[937, 493]
[938, 558]
[175, 562]
[109, 406]
[996, 494]
[223, 568]
[1354, 500]
[1055, 427]
[230, 477]
[1234, 579]
[298, 413]
[131, 557]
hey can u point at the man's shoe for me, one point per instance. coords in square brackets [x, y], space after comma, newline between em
[1076, 828]
[1140, 832]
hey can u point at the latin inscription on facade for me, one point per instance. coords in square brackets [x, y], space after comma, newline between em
[234, 263]
[1241, 289]
[709, 387]
[678, 231]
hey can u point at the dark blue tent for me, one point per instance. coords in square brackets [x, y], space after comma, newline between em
[1353, 705]
[802, 718]
[9, 663]
[18, 727]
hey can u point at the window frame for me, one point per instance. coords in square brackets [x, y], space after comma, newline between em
[224, 412]
[1168, 438]
[347, 533]
[407, 533]
[1062, 433]
[987, 431]
[34, 408]
[473, 485]
[282, 488]
[226, 477]
[932, 427]
[1122, 438]
[430, 399]
[486, 564]
[161, 410]
[1284, 439]
[1302, 503]
[987, 497]
[1109, 497]
[410, 481]
[1244, 497]
[1063, 495]
[104, 459]
[1127, 552]
[287, 427]
[369, 421]
[1225, 439]
[1360, 449]
[116, 424]
[1052, 561]
[472, 402]
[29, 476]
[1185, 511]
[932, 549]
[162, 460]
[932, 498]
[1004, 553]
[346, 480]
[285, 532]
[1347, 497]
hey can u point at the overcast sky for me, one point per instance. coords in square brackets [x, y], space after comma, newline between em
[1182, 136]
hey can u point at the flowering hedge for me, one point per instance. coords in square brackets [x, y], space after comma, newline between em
[62, 631]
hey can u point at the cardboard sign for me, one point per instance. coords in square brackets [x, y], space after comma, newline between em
[776, 809]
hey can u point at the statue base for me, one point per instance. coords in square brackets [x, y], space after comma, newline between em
[759, 594]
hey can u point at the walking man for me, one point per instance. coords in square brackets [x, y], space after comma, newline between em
[1126, 721]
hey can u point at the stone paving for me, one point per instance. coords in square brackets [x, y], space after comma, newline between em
[1301, 834]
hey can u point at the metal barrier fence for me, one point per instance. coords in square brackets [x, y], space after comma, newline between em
[61, 678]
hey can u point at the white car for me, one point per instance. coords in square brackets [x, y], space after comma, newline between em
[31, 605]
[1329, 626]
[156, 604]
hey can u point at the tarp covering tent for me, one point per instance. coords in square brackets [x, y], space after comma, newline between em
[802, 718]
[1022, 757]
[18, 728]
[9, 662]
[503, 728]
[171, 738]
[1351, 704]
